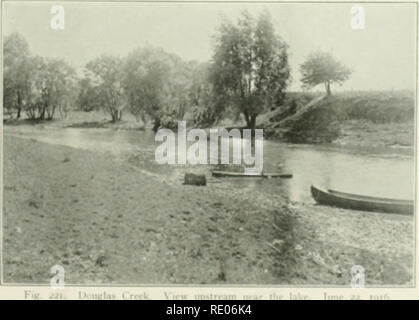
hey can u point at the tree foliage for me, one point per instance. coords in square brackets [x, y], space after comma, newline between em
[52, 88]
[205, 106]
[33, 84]
[106, 76]
[157, 86]
[88, 97]
[18, 72]
[322, 68]
[250, 70]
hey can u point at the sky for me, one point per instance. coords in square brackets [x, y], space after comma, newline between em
[382, 55]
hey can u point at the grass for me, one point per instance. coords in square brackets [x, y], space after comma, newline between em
[81, 119]
[325, 119]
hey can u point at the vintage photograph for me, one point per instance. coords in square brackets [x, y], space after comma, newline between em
[209, 144]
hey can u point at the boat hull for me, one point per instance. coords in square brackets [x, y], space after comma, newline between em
[364, 203]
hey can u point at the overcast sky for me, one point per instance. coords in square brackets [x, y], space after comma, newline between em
[382, 55]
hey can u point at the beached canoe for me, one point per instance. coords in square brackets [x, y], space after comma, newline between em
[217, 173]
[359, 202]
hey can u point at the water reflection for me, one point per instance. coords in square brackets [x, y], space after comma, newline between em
[386, 172]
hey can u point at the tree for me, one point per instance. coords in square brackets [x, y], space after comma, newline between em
[51, 88]
[18, 71]
[202, 99]
[322, 68]
[250, 70]
[156, 84]
[36, 85]
[88, 97]
[106, 75]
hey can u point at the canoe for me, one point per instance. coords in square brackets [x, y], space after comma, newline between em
[217, 173]
[359, 202]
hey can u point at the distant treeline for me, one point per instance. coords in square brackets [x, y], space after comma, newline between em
[247, 75]
[150, 83]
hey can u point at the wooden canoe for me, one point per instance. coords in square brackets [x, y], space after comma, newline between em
[359, 202]
[217, 173]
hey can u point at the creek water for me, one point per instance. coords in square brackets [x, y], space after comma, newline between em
[377, 171]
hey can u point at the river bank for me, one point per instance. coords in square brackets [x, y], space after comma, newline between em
[79, 119]
[106, 222]
[366, 133]
[109, 221]
[352, 132]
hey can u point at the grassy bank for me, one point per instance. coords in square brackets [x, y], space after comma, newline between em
[375, 118]
[351, 118]
[80, 119]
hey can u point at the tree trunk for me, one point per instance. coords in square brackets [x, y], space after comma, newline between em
[246, 118]
[51, 114]
[251, 122]
[19, 105]
[156, 125]
[42, 115]
[328, 88]
[195, 179]
[116, 115]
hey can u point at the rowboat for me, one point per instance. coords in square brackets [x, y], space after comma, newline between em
[359, 202]
[217, 173]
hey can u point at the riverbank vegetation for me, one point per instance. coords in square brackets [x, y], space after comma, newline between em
[244, 85]
[321, 68]
[247, 76]
[35, 85]
[344, 116]
[248, 73]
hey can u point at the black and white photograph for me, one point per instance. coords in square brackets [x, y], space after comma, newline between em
[209, 144]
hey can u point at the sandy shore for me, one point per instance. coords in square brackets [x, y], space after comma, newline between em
[107, 222]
